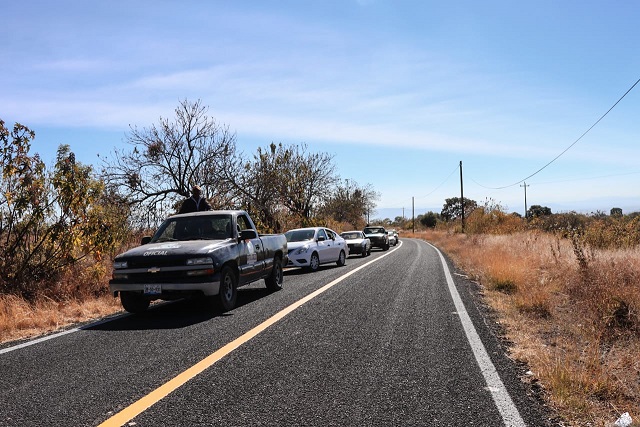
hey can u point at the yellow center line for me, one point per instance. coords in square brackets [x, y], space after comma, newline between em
[144, 403]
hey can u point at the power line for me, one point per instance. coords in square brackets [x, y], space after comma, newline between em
[566, 149]
[443, 182]
[586, 178]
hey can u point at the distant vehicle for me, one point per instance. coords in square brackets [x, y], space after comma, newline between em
[378, 236]
[357, 242]
[395, 233]
[209, 254]
[393, 238]
[312, 246]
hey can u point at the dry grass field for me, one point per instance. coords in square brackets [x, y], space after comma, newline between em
[20, 319]
[567, 311]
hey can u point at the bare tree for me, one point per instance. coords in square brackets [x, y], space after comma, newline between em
[280, 181]
[168, 159]
[253, 183]
[307, 179]
[349, 202]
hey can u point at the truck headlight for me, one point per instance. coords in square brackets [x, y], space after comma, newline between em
[117, 265]
[199, 261]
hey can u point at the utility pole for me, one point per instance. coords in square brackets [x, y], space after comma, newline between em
[461, 196]
[413, 213]
[525, 197]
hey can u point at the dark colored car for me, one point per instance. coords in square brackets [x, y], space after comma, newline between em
[378, 236]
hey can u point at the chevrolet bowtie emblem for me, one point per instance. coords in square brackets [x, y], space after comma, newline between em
[153, 270]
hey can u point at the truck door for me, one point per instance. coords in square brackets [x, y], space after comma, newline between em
[251, 262]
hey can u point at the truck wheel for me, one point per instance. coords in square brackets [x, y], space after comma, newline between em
[134, 302]
[228, 289]
[341, 259]
[314, 262]
[385, 247]
[276, 277]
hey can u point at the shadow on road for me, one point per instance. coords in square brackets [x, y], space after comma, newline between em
[300, 271]
[177, 314]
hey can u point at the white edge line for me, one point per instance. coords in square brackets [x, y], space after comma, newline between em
[62, 333]
[505, 405]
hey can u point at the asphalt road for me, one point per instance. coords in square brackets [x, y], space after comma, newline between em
[386, 345]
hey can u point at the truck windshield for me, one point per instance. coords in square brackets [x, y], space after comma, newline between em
[209, 227]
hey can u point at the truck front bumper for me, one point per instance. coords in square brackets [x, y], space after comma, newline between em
[157, 290]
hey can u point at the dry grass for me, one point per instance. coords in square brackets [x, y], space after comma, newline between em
[568, 312]
[80, 296]
[20, 319]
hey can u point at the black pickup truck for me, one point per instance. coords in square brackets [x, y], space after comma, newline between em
[208, 254]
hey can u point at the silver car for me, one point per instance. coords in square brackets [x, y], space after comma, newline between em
[394, 239]
[358, 243]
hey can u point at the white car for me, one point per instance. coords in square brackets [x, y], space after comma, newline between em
[393, 237]
[312, 246]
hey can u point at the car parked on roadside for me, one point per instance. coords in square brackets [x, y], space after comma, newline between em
[393, 238]
[357, 242]
[378, 236]
[312, 246]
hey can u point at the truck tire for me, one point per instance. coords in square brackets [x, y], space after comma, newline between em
[275, 279]
[341, 259]
[134, 302]
[228, 294]
[385, 247]
[314, 262]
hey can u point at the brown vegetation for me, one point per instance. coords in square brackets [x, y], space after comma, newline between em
[568, 310]
[21, 319]
[81, 294]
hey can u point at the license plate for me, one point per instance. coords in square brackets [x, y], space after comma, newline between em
[152, 289]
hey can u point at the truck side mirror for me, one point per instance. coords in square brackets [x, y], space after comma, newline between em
[145, 240]
[248, 234]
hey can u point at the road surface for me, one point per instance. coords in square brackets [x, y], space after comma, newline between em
[394, 339]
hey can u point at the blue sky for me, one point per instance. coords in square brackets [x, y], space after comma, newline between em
[399, 92]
